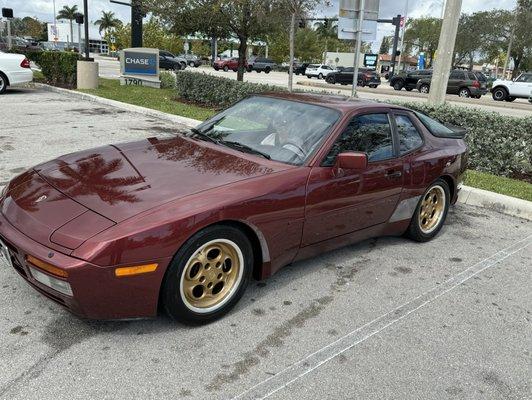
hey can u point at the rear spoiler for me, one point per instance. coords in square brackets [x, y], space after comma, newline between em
[457, 132]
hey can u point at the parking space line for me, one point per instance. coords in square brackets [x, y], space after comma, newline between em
[290, 374]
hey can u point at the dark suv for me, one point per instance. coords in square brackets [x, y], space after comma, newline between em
[461, 82]
[260, 64]
[366, 77]
[408, 79]
[170, 62]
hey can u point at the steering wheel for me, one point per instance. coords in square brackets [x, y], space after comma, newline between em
[296, 149]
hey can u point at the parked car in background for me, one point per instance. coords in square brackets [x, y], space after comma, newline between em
[511, 90]
[461, 82]
[366, 77]
[192, 60]
[227, 64]
[260, 64]
[170, 62]
[408, 79]
[19, 44]
[300, 68]
[14, 70]
[319, 71]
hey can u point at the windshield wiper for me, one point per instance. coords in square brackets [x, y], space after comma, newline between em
[203, 136]
[245, 148]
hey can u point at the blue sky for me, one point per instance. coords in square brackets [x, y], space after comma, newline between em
[43, 9]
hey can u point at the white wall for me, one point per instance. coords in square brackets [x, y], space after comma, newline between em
[344, 59]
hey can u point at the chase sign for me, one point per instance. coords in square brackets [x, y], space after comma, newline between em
[140, 66]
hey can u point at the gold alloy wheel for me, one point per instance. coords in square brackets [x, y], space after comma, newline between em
[432, 209]
[211, 275]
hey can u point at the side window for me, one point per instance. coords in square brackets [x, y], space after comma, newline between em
[472, 76]
[409, 137]
[369, 133]
[456, 75]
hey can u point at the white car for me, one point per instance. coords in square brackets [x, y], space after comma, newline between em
[14, 70]
[319, 71]
[511, 90]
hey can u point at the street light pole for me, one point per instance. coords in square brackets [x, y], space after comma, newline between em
[86, 12]
[403, 36]
[442, 66]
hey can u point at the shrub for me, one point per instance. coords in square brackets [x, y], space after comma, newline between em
[214, 91]
[498, 144]
[167, 80]
[58, 67]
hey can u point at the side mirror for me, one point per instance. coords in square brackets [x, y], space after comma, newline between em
[352, 160]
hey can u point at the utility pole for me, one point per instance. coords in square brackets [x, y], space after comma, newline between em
[403, 36]
[358, 29]
[442, 66]
[136, 20]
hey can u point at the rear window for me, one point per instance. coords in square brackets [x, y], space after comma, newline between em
[435, 127]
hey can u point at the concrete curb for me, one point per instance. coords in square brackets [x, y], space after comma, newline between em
[123, 106]
[496, 202]
[468, 195]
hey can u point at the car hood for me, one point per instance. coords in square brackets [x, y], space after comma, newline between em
[120, 181]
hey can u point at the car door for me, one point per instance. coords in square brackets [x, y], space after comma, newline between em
[343, 201]
[456, 80]
[346, 75]
[522, 87]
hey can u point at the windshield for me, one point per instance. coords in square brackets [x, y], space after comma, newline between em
[283, 130]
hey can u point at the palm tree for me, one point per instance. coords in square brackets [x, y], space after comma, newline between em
[70, 14]
[107, 21]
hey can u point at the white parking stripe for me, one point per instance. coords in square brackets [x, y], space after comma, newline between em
[282, 379]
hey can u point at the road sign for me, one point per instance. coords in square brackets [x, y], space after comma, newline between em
[349, 9]
[348, 17]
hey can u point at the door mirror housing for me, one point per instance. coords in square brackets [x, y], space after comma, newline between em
[352, 160]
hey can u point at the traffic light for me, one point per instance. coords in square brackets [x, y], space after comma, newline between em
[79, 19]
[7, 12]
[301, 23]
[398, 53]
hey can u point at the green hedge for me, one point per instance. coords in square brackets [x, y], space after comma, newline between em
[498, 144]
[214, 91]
[58, 67]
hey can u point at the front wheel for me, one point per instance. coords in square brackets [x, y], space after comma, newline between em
[424, 88]
[331, 80]
[208, 275]
[320, 76]
[464, 92]
[3, 83]
[398, 85]
[226, 68]
[499, 94]
[430, 213]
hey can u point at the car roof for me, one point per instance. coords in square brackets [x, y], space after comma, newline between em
[344, 104]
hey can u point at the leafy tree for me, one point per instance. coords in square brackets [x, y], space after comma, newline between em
[107, 21]
[423, 34]
[386, 45]
[69, 13]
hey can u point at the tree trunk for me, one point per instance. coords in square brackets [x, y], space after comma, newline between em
[71, 35]
[292, 36]
[242, 50]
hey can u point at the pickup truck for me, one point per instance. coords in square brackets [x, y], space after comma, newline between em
[521, 87]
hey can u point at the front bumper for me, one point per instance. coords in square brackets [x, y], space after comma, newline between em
[97, 292]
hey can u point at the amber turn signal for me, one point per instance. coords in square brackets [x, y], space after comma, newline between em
[51, 269]
[137, 270]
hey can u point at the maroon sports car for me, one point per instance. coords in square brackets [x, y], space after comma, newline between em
[185, 222]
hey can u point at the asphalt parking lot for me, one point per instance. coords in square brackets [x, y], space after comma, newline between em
[383, 319]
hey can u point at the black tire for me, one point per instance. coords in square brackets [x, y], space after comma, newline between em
[425, 88]
[175, 304]
[320, 76]
[464, 92]
[226, 68]
[259, 71]
[510, 99]
[308, 76]
[191, 64]
[297, 73]
[373, 86]
[177, 67]
[398, 84]
[408, 89]
[415, 231]
[331, 80]
[249, 68]
[216, 68]
[3, 83]
[183, 65]
[267, 70]
[499, 94]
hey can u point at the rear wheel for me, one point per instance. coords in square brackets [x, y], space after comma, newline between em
[226, 68]
[331, 80]
[267, 70]
[398, 85]
[464, 92]
[208, 275]
[424, 88]
[320, 76]
[3, 83]
[500, 94]
[430, 213]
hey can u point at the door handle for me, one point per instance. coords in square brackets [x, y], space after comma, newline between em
[393, 174]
